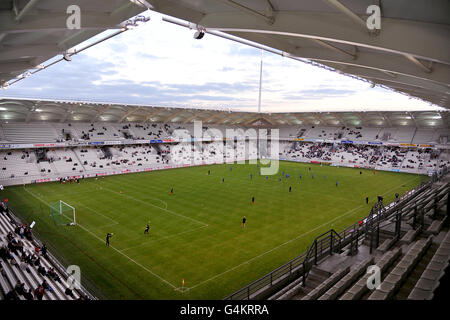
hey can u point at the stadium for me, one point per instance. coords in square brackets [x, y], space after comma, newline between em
[107, 200]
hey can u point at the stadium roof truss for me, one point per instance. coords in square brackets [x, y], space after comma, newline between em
[409, 54]
[34, 31]
[27, 110]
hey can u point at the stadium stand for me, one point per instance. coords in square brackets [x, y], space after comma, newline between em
[28, 271]
[403, 251]
[121, 152]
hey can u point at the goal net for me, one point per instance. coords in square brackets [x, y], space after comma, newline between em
[62, 213]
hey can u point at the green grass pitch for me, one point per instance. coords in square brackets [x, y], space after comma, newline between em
[196, 234]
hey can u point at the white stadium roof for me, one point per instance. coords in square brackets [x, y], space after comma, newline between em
[34, 31]
[409, 54]
[28, 110]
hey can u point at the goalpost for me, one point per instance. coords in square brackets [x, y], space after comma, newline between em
[62, 213]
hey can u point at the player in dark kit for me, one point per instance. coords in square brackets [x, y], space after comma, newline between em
[290, 188]
[108, 236]
[253, 200]
[244, 219]
[147, 228]
[367, 200]
[171, 191]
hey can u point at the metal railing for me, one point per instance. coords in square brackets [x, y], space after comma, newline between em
[328, 243]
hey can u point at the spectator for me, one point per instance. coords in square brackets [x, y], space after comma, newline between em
[39, 292]
[44, 250]
[28, 295]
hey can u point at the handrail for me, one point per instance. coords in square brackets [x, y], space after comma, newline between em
[345, 236]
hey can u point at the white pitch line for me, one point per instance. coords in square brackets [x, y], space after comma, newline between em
[95, 211]
[102, 240]
[289, 241]
[149, 204]
[162, 201]
[235, 267]
[163, 238]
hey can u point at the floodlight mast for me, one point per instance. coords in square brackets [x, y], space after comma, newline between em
[260, 81]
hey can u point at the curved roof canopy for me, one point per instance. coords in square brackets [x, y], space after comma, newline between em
[27, 110]
[410, 53]
[34, 31]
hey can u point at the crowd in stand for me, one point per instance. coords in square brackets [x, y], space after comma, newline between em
[386, 156]
[28, 259]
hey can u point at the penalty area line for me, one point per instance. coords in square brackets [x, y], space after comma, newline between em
[118, 251]
[163, 238]
[291, 240]
[149, 204]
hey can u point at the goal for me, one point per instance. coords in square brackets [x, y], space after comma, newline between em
[63, 213]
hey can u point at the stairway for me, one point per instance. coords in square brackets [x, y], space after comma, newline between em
[406, 288]
[316, 277]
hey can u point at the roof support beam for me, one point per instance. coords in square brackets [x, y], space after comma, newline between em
[29, 116]
[47, 21]
[379, 75]
[26, 9]
[361, 118]
[349, 13]
[123, 7]
[428, 41]
[16, 66]
[100, 112]
[225, 118]
[192, 116]
[8, 52]
[268, 120]
[212, 116]
[390, 74]
[318, 118]
[330, 46]
[173, 115]
[413, 119]
[267, 19]
[386, 119]
[151, 114]
[253, 118]
[298, 117]
[188, 119]
[68, 112]
[418, 63]
[243, 117]
[281, 117]
[128, 113]
[341, 119]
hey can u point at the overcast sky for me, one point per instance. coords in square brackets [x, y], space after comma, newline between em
[161, 64]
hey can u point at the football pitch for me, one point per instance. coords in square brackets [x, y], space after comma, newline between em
[196, 234]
